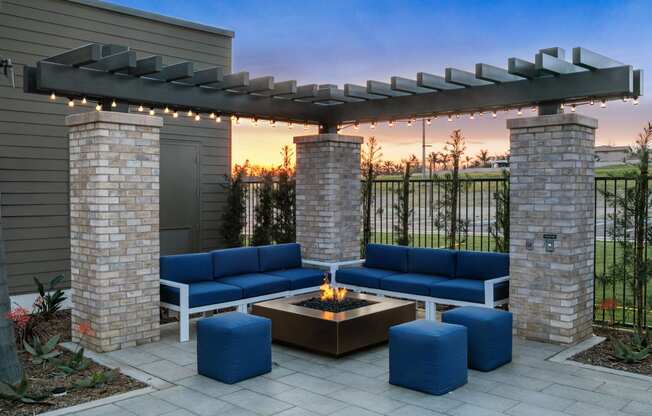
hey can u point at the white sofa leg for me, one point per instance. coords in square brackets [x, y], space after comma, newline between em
[184, 314]
[243, 308]
[430, 311]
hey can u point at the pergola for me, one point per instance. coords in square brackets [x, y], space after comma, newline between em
[114, 169]
[108, 73]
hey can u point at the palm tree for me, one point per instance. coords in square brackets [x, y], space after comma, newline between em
[10, 369]
[483, 157]
[444, 158]
[433, 159]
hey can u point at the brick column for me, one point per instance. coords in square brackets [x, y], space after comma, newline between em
[552, 200]
[114, 227]
[328, 196]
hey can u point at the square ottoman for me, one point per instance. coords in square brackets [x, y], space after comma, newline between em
[234, 346]
[428, 356]
[490, 335]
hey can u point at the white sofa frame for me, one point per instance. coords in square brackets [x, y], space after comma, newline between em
[430, 302]
[184, 309]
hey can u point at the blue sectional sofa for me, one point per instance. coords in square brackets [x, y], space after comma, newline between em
[431, 275]
[201, 282]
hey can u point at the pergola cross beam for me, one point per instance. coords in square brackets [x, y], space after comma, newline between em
[113, 72]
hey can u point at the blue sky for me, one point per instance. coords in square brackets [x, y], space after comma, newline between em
[341, 41]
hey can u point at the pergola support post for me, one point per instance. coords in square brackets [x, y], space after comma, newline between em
[328, 196]
[114, 228]
[551, 226]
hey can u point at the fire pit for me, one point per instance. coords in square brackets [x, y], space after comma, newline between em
[333, 321]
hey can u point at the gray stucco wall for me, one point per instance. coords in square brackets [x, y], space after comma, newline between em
[33, 138]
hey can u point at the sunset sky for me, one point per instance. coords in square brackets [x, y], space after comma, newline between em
[338, 41]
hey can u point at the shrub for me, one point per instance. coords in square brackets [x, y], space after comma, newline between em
[233, 217]
[264, 212]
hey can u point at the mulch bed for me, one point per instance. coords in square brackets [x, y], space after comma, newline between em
[43, 379]
[602, 354]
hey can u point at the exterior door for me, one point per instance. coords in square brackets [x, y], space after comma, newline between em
[179, 217]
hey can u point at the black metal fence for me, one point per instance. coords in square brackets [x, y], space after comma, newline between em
[429, 226]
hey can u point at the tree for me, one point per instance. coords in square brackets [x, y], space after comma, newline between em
[233, 217]
[10, 369]
[632, 205]
[284, 228]
[370, 162]
[483, 157]
[500, 229]
[264, 212]
[433, 159]
[402, 207]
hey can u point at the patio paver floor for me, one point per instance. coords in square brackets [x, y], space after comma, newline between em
[302, 383]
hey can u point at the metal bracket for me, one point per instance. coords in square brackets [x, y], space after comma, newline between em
[8, 70]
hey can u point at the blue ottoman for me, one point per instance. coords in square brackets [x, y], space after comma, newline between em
[234, 346]
[428, 356]
[490, 335]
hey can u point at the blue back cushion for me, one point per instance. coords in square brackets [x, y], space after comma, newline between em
[481, 266]
[437, 262]
[279, 257]
[232, 261]
[187, 268]
[382, 256]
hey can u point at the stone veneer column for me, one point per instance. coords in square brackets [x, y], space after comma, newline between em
[114, 227]
[552, 193]
[328, 196]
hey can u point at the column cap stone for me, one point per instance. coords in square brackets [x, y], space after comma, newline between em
[113, 117]
[552, 120]
[328, 137]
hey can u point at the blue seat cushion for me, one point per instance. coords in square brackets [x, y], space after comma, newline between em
[467, 290]
[202, 294]
[234, 346]
[428, 356]
[383, 256]
[363, 276]
[300, 277]
[438, 262]
[415, 283]
[187, 268]
[279, 257]
[489, 335]
[233, 261]
[257, 284]
[481, 265]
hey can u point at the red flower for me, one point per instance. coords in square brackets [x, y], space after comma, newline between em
[609, 304]
[20, 317]
[84, 328]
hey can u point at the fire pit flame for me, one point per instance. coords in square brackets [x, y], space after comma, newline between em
[330, 293]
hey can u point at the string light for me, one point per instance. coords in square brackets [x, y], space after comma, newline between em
[625, 99]
[603, 104]
[573, 108]
[428, 121]
[152, 112]
[237, 121]
[494, 114]
[290, 125]
[211, 116]
[98, 107]
[197, 117]
[272, 123]
[53, 96]
[472, 116]
[534, 109]
[481, 113]
[562, 106]
[373, 125]
[218, 118]
[189, 113]
[409, 123]
[635, 101]
[254, 122]
[390, 123]
[141, 109]
[356, 126]
[450, 118]
[175, 114]
[84, 100]
[519, 112]
[305, 126]
[457, 115]
[71, 102]
[591, 102]
[114, 104]
[166, 110]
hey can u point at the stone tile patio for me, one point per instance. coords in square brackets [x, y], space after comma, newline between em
[303, 384]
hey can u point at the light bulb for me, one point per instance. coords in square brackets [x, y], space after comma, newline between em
[141, 109]
[481, 113]
[457, 115]
[175, 114]
[189, 113]
[390, 123]
[625, 99]
[84, 100]
[409, 123]
[254, 122]
[493, 114]
[603, 104]
[573, 108]
[450, 118]
[114, 104]
[237, 121]
[290, 125]
[635, 101]
[305, 126]
[472, 116]
[53, 96]
[71, 102]
[428, 121]
[534, 109]
[591, 102]
[356, 126]
[197, 117]
[561, 106]
[519, 112]
[218, 119]
[151, 112]
[98, 107]
[211, 115]
[272, 123]
[167, 110]
[373, 125]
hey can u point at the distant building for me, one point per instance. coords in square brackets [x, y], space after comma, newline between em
[605, 155]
